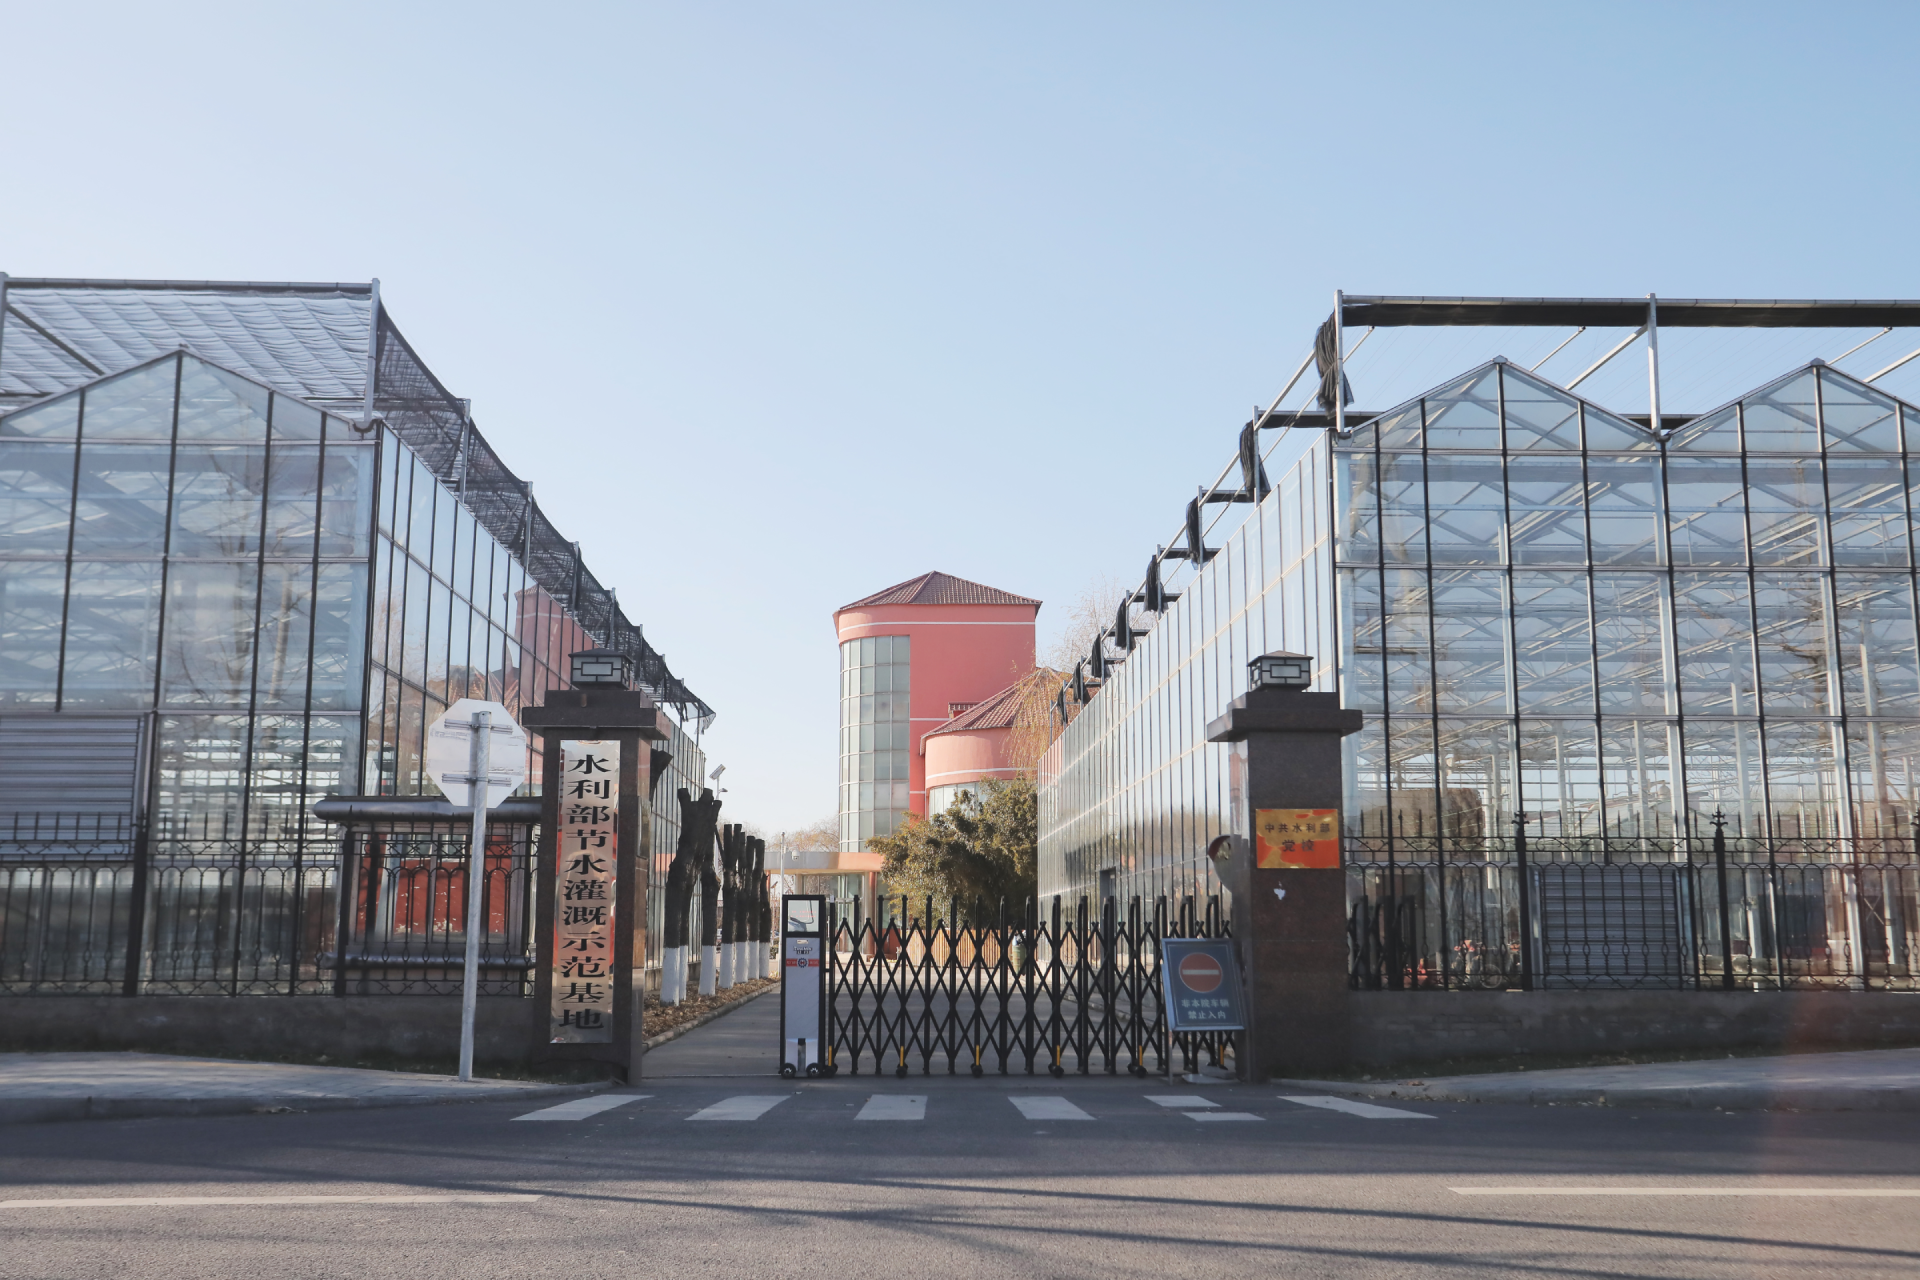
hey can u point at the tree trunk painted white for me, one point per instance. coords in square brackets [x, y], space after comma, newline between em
[673, 975]
[709, 969]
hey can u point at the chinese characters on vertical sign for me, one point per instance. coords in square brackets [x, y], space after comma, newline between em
[1298, 837]
[583, 897]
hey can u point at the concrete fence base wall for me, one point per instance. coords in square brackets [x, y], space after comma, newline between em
[376, 1029]
[1390, 1028]
[1387, 1028]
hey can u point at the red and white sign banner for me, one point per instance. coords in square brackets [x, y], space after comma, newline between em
[584, 892]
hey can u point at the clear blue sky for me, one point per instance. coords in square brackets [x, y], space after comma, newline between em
[794, 301]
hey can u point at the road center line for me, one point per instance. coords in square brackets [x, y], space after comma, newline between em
[1821, 1192]
[138, 1202]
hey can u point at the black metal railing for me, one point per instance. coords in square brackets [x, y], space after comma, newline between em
[175, 910]
[1066, 990]
[1694, 911]
[405, 915]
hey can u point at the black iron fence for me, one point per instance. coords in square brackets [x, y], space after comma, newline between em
[1065, 990]
[404, 917]
[111, 908]
[1681, 912]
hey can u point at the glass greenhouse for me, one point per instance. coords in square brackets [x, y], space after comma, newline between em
[1578, 640]
[249, 550]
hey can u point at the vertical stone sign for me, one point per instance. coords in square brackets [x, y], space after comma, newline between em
[596, 771]
[586, 884]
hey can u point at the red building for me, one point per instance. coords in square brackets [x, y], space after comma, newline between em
[913, 658]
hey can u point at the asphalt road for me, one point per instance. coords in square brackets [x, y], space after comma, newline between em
[976, 1188]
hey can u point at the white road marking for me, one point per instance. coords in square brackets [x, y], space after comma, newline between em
[1044, 1108]
[1222, 1115]
[894, 1106]
[747, 1106]
[1822, 1192]
[136, 1202]
[1365, 1110]
[1180, 1100]
[581, 1108]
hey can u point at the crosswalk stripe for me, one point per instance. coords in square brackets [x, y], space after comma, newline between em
[1365, 1110]
[1047, 1108]
[1178, 1100]
[746, 1106]
[894, 1106]
[581, 1108]
[1221, 1115]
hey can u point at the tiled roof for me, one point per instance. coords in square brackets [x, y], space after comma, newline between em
[998, 712]
[940, 588]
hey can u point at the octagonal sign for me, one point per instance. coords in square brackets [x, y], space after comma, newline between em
[449, 756]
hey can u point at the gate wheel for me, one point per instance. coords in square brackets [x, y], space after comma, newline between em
[900, 1072]
[786, 1071]
[977, 1072]
[1057, 1071]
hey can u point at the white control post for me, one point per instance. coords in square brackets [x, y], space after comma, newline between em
[803, 959]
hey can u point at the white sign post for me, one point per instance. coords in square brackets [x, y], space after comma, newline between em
[476, 755]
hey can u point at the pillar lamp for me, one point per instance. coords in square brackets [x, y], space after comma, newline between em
[1280, 670]
[600, 669]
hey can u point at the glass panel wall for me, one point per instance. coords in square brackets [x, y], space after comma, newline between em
[1133, 787]
[167, 550]
[164, 541]
[874, 737]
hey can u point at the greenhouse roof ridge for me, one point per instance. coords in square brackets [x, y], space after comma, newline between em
[1385, 311]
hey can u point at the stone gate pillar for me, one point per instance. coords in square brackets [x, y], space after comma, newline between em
[591, 927]
[1289, 888]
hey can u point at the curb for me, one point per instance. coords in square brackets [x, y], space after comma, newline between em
[654, 1042]
[43, 1110]
[1709, 1097]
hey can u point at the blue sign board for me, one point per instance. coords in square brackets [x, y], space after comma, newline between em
[1202, 985]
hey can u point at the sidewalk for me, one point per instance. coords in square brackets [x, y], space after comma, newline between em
[1871, 1080]
[119, 1086]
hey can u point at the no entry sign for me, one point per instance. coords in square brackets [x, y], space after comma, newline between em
[1202, 985]
[1200, 973]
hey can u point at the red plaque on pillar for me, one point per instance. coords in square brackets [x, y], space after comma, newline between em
[1297, 838]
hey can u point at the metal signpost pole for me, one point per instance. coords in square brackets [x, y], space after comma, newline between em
[465, 731]
[481, 728]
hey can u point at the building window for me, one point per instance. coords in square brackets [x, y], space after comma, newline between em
[940, 799]
[874, 735]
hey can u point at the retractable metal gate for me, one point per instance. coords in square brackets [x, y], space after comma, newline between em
[1074, 990]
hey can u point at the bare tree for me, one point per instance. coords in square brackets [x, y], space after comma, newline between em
[1091, 613]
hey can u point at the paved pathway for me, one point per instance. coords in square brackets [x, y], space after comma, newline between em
[1871, 1080]
[743, 1041]
[78, 1086]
